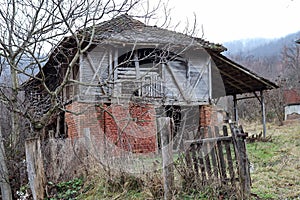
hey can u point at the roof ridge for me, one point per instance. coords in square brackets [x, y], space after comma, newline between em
[126, 22]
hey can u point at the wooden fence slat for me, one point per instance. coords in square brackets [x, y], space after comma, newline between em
[200, 157]
[213, 154]
[227, 138]
[222, 165]
[206, 155]
[229, 157]
[194, 159]
[206, 158]
[35, 168]
[167, 156]
[243, 166]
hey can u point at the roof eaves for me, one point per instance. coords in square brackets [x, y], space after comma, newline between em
[268, 83]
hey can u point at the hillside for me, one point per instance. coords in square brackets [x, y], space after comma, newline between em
[263, 56]
[260, 47]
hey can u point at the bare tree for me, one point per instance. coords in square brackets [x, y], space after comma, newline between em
[290, 57]
[29, 29]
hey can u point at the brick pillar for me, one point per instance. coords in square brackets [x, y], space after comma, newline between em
[205, 115]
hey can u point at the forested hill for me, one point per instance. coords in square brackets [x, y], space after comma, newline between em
[260, 47]
[267, 57]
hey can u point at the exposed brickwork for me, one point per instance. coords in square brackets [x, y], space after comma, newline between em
[132, 128]
[83, 116]
[210, 117]
[205, 115]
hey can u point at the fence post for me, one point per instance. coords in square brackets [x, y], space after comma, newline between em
[164, 125]
[35, 168]
[242, 159]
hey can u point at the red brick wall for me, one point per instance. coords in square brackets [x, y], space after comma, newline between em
[132, 128]
[82, 115]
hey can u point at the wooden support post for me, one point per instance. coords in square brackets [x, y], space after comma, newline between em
[235, 110]
[35, 168]
[164, 125]
[263, 111]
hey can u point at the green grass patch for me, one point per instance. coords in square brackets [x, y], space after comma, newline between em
[262, 152]
[276, 164]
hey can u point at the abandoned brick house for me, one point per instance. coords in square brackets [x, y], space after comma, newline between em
[133, 73]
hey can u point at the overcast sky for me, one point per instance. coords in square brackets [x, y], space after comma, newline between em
[227, 20]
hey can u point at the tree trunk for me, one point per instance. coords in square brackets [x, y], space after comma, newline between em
[15, 119]
[4, 181]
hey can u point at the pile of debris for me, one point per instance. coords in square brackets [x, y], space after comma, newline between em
[258, 138]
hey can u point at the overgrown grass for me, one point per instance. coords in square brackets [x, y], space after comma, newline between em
[276, 164]
[64, 190]
[275, 169]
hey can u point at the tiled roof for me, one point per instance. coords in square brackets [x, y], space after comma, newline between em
[128, 30]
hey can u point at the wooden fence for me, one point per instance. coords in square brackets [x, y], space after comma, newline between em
[219, 158]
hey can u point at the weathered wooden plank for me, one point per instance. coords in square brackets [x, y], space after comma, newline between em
[213, 154]
[167, 156]
[207, 163]
[243, 165]
[178, 85]
[194, 159]
[202, 166]
[212, 140]
[198, 79]
[207, 158]
[200, 134]
[35, 168]
[201, 156]
[187, 157]
[222, 164]
[229, 157]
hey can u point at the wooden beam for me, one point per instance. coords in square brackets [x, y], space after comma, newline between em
[235, 65]
[243, 98]
[235, 109]
[90, 61]
[181, 90]
[197, 81]
[235, 86]
[137, 65]
[233, 78]
[209, 78]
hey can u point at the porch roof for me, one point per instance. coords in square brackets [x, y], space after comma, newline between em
[238, 79]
